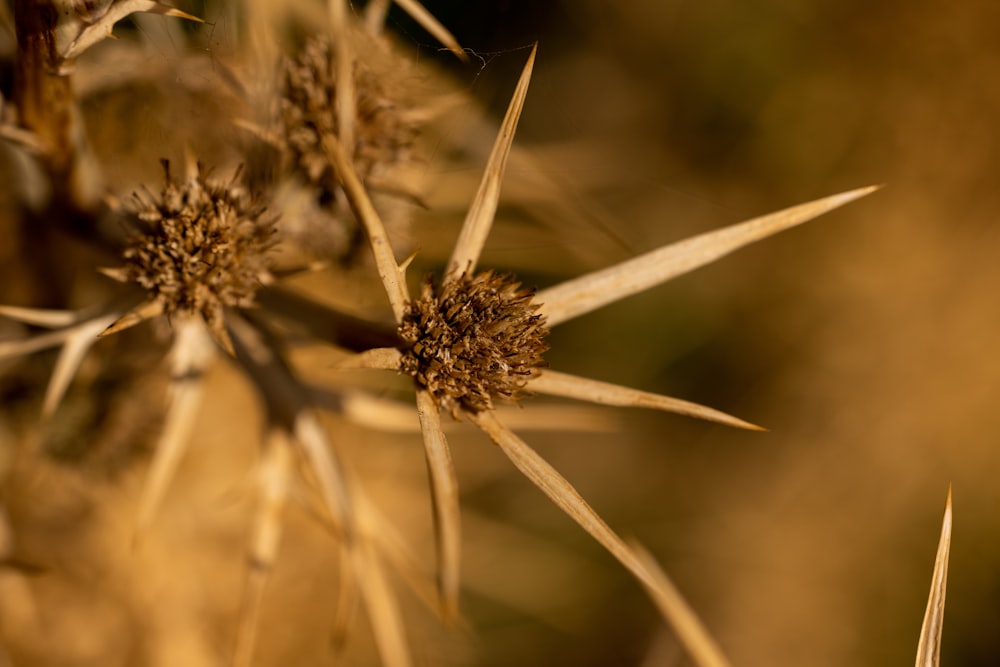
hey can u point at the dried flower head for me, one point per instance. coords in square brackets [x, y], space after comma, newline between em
[472, 340]
[202, 246]
[308, 112]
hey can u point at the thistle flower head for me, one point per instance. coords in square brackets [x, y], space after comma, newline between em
[473, 339]
[308, 112]
[202, 246]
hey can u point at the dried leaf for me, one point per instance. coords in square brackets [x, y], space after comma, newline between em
[562, 493]
[324, 464]
[41, 317]
[101, 28]
[273, 481]
[589, 292]
[479, 219]
[380, 601]
[191, 354]
[381, 358]
[364, 210]
[17, 348]
[427, 21]
[397, 417]
[77, 344]
[344, 95]
[146, 310]
[604, 393]
[444, 498]
[699, 644]
[929, 646]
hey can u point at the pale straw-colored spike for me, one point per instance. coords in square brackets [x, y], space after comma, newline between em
[479, 219]
[24, 346]
[382, 358]
[41, 317]
[327, 470]
[377, 528]
[364, 210]
[146, 310]
[346, 610]
[118, 10]
[692, 633]
[589, 292]
[563, 418]
[17, 348]
[260, 132]
[444, 499]
[391, 416]
[70, 357]
[540, 473]
[274, 475]
[288, 402]
[929, 646]
[380, 601]
[344, 95]
[396, 551]
[427, 21]
[191, 354]
[604, 393]
[376, 12]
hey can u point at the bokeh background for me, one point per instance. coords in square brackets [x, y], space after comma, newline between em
[865, 342]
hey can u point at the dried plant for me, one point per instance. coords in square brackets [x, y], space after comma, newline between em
[203, 260]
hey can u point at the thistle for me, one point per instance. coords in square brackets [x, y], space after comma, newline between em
[467, 319]
[200, 247]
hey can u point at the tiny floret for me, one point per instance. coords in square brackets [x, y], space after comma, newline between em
[473, 340]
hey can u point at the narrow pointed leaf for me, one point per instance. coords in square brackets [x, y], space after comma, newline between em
[273, 481]
[929, 647]
[118, 10]
[288, 404]
[375, 13]
[40, 317]
[327, 469]
[427, 21]
[191, 354]
[604, 393]
[397, 552]
[144, 311]
[380, 601]
[562, 493]
[589, 292]
[692, 633]
[383, 358]
[444, 497]
[344, 95]
[361, 204]
[479, 219]
[70, 357]
[347, 608]
[18, 348]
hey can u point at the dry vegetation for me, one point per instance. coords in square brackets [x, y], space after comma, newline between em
[207, 459]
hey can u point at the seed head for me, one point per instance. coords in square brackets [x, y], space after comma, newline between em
[473, 340]
[308, 112]
[202, 246]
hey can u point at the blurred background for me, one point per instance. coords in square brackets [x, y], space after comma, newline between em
[864, 341]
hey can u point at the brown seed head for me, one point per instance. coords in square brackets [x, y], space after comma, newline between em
[202, 246]
[473, 340]
[308, 112]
